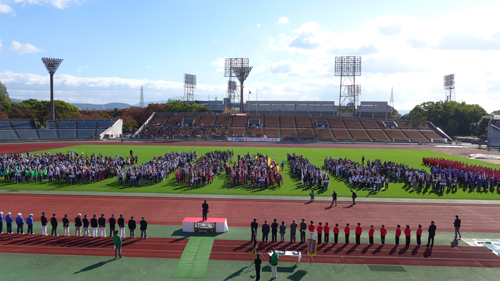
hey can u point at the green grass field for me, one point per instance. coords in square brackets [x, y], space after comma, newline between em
[292, 186]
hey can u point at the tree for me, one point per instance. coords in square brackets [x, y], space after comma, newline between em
[4, 96]
[179, 106]
[452, 117]
[480, 128]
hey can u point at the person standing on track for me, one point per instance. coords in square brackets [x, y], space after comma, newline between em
[117, 240]
[204, 207]
[293, 231]
[334, 198]
[274, 231]
[419, 235]
[20, 223]
[44, 221]
[131, 226]
[102, 226]
[398, 233]
[432, 233]
[93, 224]
[78, 225]
[86, 224]
[29, 222]
[354, 196]
[121, 225]
[257, 263]
[319, 231]
[65, 222]
[312, 196]
[274, 264]
[53, 223]
[8, 222]
[371, 232]
[112, 225]
[265, 231]
[1, 222]
[359, 230]
[347, 232]
[282, 231]
[144, 229]
[408, 235]
[336, 231]
[303, 227]
[311, 228]
[326, 230]
[383, 233]
[457, 224]
[253, 228]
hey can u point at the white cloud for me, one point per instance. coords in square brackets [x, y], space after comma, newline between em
[97, 89]
[283, 20]
[258, 25]
[5, 9]
[80, 68]
[0, 43]
[20, 48]
[60, 4]
[219, 63]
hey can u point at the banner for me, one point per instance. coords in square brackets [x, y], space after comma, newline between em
[312, 247]
[253, 139]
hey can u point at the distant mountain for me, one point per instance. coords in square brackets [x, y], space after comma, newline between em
[16, 100]
[107, 106]
[146, 103]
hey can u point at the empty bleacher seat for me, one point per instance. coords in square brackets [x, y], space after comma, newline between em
[272, 121]
[396, 135]
[287, 121]
[415, 136]
[47, 134]
[336, 122]
[324, 134]
[352, 123]
[378, 135]
[5, 125]
[8, 135]
[104, 124]
[22, 124]
[341, 134]
[86, 133]
[51, 124]
[66, 124]
[303, 122]
[27, 134]
[87, 124]
[360, 134]
[67, 134]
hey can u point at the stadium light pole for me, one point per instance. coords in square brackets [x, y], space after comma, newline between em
[52, 64]
[241, 73]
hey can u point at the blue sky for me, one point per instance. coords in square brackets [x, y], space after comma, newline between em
[111, 48]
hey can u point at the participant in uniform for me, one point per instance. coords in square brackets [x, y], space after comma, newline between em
[93, 224]
[29, 222]
[383, 233]
[53, 223]
[371, 232]
[311, 228]
[407, 235]
[85, 226]
[121, 225]
[274, 231]
[293, 230]
[359, 230]
[78, 225]
[336, 231]
[419, 235]
[112, 225]
[398, 233]
[265, 231]
[132, 226]
[65, 222]
[303, 227]
[253, 227]
[102, 226]
[144, 228]
[347, 232]
[326, 230]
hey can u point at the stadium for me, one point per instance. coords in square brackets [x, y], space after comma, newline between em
[345, 188]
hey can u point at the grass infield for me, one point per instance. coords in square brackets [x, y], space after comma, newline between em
[291, 187]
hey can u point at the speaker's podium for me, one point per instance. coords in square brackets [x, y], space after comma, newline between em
[197, 224]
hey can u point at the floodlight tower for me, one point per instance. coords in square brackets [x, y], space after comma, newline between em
[141, 104]
[449, 86]
[348, 67]
[241, 73]
[52, 64]
[189, 86]
[391, 102]
[229, 64]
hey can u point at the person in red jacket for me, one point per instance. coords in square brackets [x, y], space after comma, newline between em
[336, 231]
[398, 233]
[407, 235]
[319, 230]
[383, 233]
[326, 229]
[419, 235]
[359, 230]
[311, 230]
[371, 232]
[347, 231]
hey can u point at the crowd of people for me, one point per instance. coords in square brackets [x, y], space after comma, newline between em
[256, 170]
[308, 173]
[70, 167]
[84, 225]
[454, 174]
[321, 232]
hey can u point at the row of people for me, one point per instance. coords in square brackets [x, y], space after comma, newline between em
[323, 232]
[95, 227]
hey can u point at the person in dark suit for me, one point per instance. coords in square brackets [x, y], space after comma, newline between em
[131, 226]
[432, 233]
[334, 198]
[112, 225]
[102, 226]
[144, 228]
[204, 207]
[78, 225]
[293, 231]
[86, 224]
[93, 224]
[274, 231]
[303, 228]
[265, 231]
[65, 222]
[53, 223]
[253, 227]
[121, 225]
[44, 222]
[257, 262]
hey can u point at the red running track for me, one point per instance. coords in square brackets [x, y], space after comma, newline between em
[239, 212]
[240, 250]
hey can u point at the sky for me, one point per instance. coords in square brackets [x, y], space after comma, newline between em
[112, 48]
